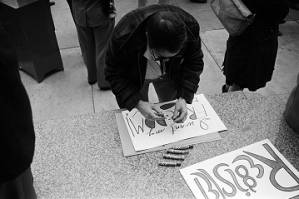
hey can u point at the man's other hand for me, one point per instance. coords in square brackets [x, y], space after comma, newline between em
[180, 111]
[149, 111]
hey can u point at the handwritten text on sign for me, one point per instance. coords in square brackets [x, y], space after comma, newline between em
[257, 171]
[146, 134]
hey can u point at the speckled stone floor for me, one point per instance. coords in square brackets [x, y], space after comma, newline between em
[81, 156]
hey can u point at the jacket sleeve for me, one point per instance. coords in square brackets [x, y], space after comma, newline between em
[125, 90]
[192, 67]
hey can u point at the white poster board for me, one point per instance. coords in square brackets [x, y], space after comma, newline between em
[146, 134]
[256, 171]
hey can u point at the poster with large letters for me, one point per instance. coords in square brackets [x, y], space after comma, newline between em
[146, 134]
[257, 171]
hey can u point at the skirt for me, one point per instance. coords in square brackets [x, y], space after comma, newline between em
[250, 58]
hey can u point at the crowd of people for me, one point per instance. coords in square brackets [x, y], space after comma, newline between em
[157, 44]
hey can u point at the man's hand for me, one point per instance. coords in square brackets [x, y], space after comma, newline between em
[180, 111]
[149, 111]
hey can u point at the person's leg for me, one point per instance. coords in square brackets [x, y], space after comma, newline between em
[51, 3]
[87, 45]
[69, 2]
[165, 89]
[19, 188]
[225, 88]
[235, 87]
[102, 34]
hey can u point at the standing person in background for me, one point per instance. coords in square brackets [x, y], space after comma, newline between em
[250, 58]
[157, 44]
[17, 138]
[94, 20]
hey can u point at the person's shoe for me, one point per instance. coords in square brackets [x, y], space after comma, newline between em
[105, 88]
[225, 88]
[199, 1]
[234, 87]
[282, 21]
[92, 82]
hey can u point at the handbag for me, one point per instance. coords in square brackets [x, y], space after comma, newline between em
[233, 14]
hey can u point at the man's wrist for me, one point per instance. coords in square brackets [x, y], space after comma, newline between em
[138, 104]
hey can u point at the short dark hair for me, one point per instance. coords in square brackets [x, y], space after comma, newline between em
[166, 31]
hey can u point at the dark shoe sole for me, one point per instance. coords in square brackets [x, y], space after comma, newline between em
[105, 88]
[92, 82]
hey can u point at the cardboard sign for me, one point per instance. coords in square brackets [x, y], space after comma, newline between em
[128, 148]
[146, 134]
[254, 172]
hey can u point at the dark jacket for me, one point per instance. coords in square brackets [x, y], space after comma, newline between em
[17, 137]
[250, 58]
[126, 66]
[291, 112]
[268, 12]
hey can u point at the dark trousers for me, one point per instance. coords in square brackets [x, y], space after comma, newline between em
[69, 2]
[70, 5]
[93, 41]
[19, 188]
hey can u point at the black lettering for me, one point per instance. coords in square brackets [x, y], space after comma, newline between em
[139, 127]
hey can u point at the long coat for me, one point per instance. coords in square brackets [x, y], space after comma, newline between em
[126, 65]
[17, 137]
[250, 58]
